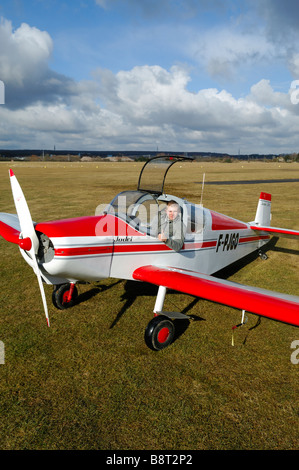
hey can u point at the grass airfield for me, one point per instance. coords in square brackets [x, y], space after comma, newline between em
[89, 382]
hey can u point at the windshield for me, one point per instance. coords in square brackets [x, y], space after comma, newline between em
[137, 208]
[140, 210]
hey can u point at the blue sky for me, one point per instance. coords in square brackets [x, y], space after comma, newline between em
[183, 75]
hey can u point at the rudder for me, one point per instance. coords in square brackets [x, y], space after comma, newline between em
[263, 212]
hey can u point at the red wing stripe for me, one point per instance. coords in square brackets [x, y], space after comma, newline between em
[9, 233]
[259, 301]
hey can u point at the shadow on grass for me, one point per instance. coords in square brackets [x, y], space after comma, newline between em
[132, 291]
[85, 296]
[242, 263]
[286, 250]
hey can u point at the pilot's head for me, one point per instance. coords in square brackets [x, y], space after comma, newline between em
[172, 210]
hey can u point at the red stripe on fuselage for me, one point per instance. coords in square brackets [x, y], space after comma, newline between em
[127, 248]
[253, 239]
[141, 248]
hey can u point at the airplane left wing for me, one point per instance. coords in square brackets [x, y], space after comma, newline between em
[10, 227]
[266, 303]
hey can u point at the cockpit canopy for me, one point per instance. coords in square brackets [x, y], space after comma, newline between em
[141, 208]
[153, 173]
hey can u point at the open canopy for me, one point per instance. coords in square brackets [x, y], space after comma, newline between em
[153, 173]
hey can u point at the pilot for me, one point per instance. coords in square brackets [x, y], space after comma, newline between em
[171, 229]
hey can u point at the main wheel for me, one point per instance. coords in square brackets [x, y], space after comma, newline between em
[159, 333]
[60, 296]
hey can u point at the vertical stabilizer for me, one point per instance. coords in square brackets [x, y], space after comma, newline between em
[263, 212]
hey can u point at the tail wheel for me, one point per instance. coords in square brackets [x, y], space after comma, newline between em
[61, 296]
[159, 333]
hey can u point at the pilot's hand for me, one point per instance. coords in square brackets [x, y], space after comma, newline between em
[162, 237]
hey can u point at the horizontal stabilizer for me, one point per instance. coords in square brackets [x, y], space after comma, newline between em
[278, 232]
[274, 305]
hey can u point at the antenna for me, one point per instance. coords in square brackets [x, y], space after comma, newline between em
[202, 188]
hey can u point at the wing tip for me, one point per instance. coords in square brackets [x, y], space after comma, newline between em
[11, 173]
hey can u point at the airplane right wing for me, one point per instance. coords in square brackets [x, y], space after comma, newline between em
[266, 303]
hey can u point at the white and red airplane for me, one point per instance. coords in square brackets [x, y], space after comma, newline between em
[118, 243]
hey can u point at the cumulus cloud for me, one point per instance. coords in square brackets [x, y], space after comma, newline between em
[149, 106]
[23, 52]
[138, 108]
[24, 58]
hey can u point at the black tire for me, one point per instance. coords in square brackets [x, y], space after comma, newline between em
[60, 294]
[159, 333]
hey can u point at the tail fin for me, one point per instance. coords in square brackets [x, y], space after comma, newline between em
[263, 212]
[262, 220]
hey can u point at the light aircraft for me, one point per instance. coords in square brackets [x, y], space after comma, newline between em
[118, 243]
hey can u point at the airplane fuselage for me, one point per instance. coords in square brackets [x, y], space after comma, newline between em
[94, 248]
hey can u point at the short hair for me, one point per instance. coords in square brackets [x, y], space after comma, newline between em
[172, 203]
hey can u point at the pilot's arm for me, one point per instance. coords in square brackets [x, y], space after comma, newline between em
[176, 241]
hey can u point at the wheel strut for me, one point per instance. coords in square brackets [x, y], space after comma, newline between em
[65, 296]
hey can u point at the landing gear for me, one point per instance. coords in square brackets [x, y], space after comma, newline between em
[159, 333]
[262, 255]
[65, 296]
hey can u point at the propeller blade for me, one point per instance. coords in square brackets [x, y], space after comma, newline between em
[28, 233]
[23, 212]
[42, 290]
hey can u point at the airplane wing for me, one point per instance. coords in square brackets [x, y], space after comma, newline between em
[281, 307]
[278, 232]
[10, 227]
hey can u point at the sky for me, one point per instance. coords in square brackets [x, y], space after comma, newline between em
[173, 75]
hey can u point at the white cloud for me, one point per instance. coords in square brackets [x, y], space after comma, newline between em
[142, 107]
[24, 67]
[147, 106]
[263, 94]
[24, 53]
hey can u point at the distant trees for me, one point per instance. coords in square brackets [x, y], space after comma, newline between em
[294, 157]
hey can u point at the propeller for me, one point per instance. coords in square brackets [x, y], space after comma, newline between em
[30, 242]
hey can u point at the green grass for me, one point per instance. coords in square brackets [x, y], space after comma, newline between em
[90, 382]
